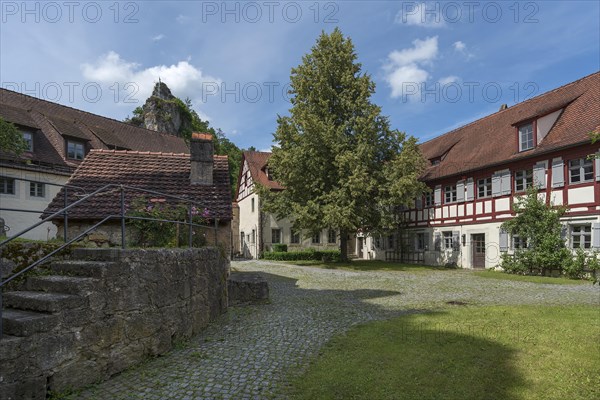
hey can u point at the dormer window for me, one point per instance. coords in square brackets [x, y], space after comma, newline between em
[526, 140]
[28, 138]
[436, 161]
[75, 150]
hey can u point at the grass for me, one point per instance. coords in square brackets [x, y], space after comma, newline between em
[368, 265]
[526, 278]
[509, 353]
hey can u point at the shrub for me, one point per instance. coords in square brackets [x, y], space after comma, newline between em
[304, 255]
[583, 264]
[279, 247]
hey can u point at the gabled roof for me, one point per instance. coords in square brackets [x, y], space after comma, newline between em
[492, 140]
[161, 172]
[53, 122]
[257, 164]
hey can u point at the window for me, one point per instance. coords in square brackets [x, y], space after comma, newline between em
[316, 239]
[448, 242]
[581, 170]
[253, 237]
[484, 187]
[377, 242]
[523, 180]
[421, 241]
[37, 189]
[331, 236]
[581, 236]
[252, 204]
[526, 137]
[28, 137]
[519, 242]
[450, 193]
[7, 185]
[435, 161]
[275, 235]
[294, 236]
[428, 199]
[75, 150]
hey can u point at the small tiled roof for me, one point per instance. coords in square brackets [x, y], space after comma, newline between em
[492, 140]
[52, 123]
[167, 173]
[257, 164]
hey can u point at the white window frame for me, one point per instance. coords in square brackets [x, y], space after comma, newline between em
[526, 137]
[579, 166]
[37, 190]
[451, 191]
[519, 243]
[447, 237]
[4, 185]
[428, 199]
[28, 138]
[523, 178]
[78, 148]
[484, 184]
[582, 234]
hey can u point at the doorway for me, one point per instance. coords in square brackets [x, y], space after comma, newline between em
[478, 250]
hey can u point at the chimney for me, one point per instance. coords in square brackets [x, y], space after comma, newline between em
[201, 157]
[503, 107]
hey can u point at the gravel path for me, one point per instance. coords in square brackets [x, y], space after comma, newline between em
[250, 351]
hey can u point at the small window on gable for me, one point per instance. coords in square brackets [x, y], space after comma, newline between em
[526, 141]
[28, 138]
[436, 160]
[75, 150]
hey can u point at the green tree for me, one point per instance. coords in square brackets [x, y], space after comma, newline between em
[342, 165]
[539, 224]
[11, 139]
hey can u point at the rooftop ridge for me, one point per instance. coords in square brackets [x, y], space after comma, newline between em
[137, 152]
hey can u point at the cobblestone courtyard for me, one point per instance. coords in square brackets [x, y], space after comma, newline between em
[250, 352]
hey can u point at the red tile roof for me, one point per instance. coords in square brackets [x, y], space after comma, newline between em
[492, 140]
[257, 163]
[52, 123]
[167, 173]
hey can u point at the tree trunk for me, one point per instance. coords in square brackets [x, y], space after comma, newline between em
[343, 245]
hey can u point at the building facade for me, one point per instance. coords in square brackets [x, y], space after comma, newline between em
[258, 230]
[59, 138]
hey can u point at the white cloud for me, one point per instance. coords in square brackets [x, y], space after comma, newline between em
[459, 46]
[448, 79]
[184, 79]
[406, 67]
[420, 14]
[158, 37]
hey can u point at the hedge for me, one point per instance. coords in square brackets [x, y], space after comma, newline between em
[279, 247]
[304, 255]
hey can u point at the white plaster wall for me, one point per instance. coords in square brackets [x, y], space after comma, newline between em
[581, 195]
[545, 123]
[248, 222]
[18, 221]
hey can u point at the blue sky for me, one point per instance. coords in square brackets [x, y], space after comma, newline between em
[437, 65]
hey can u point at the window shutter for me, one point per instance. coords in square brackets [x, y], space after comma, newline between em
[564, 229]
[416, 242]
[419, 203]
[503, 242]
[539, 175]
[437, 241]
[470, 189]
[460, 191]
[596, 235]
[437, 195]
[558, 173]
[505, 179]
[496, 189]
[456, 240]
[426, 241]
[597, 162]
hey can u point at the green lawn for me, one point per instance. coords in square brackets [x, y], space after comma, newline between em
[369, 265]
[535, 279]
[507, 353]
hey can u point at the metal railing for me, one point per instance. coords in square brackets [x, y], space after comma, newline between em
[121, 216]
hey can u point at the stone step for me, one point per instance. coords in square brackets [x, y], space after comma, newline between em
[90, 269]
[97, 254]
[62, 284]
[42, 301]
[26, 323]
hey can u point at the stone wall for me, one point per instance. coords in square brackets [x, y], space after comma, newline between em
[138, 306]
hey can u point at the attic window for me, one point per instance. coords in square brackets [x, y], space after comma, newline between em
[75, 150]
[436, 160]
[28, 138]
[526, 139]
[269, 174]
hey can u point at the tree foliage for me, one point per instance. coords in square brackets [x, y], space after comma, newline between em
[341, 164]
[11, 139]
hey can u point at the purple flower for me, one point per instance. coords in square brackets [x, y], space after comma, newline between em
[205, 213]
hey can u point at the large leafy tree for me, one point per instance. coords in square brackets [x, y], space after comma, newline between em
[341, 164]
[11, 139]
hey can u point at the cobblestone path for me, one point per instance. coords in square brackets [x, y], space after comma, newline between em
[250, 352]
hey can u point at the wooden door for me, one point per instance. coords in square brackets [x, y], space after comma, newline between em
[478, 250]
